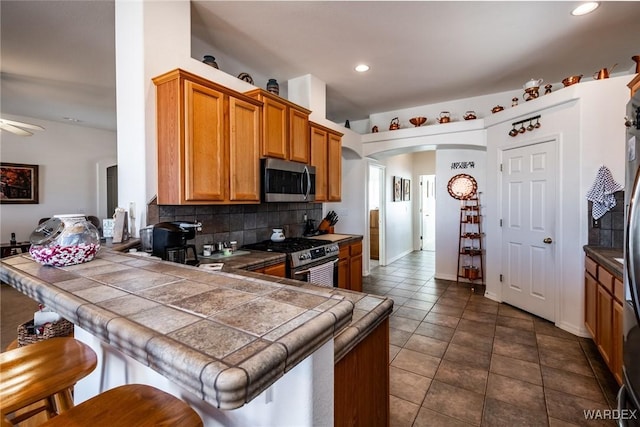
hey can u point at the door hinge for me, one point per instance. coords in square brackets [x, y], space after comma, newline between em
[501, 223]
[420, 237]
[501, 277]
[500, 167]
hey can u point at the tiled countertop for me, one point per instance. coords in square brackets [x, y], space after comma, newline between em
[606, 257]
[225, 336]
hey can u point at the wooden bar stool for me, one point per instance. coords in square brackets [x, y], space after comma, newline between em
[46, 370]
[129, 405]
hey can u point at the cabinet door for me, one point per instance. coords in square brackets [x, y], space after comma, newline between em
[334, 190]
[244, 143]
[355, 273]
[275, 270]
[205, 169]
[298, 135]
[616, 342]
[274, 143]
[590, 296]
[604, 319]
[319, 160]
[343, 268]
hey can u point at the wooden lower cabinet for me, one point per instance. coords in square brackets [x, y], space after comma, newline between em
[350, 266]
[278, 270]
[617, 338]
[603, 314]
[361, 382]
[590, 296]
[604, 324]
[355, 267]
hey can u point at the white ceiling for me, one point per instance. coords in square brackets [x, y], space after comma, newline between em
[58, 56]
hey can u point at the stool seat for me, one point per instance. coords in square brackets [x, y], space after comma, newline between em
[41, 370]
[129, 405]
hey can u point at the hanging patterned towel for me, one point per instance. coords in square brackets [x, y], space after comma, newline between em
[322, 275]
[601, 192]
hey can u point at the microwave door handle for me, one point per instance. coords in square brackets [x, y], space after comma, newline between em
[308, 178]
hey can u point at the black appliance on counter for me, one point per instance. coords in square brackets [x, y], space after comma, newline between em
[170, 242]
[629, 395]
[302, 254]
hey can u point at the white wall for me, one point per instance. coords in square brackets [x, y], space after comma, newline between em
[586, 122]
[67, 156]
[398, 225]
[448, 208]
[424, 163]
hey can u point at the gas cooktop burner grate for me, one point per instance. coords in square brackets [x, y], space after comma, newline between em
[289, 245]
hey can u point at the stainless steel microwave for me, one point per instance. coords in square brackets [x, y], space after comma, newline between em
[285, 181]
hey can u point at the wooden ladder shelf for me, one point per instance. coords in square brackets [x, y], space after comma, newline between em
[470, 252]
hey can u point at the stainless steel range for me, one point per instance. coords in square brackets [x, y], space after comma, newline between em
[302, 255]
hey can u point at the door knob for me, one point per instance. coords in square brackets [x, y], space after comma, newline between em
[547, 240]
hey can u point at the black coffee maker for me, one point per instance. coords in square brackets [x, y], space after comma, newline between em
[170, 242]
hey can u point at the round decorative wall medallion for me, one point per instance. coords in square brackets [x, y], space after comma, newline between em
[462, 186]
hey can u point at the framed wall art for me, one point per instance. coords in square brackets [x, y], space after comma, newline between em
[406, 189]
[18, 183]
[397, 189]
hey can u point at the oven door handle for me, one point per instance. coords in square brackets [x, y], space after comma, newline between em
[297, 273]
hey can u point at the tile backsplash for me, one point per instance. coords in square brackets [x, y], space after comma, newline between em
[243, 223]
[610, 234]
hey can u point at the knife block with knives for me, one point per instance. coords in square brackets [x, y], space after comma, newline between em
[327, 223]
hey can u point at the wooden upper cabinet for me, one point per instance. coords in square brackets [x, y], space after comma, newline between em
[319, 159]
[299, 135]
[244, 139]
[335, 167]
[209, 138]
[326, 156]
[285, 128]
[274, 142]
[204, 147]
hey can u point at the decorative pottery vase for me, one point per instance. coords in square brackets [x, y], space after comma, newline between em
[347, 124]
[273, 86]
[210, 60]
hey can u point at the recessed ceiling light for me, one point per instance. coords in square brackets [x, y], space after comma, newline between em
[585, 8]
[71, 119]
[361, 68]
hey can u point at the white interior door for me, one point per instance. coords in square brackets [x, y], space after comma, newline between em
[428, 212]
[529, 180]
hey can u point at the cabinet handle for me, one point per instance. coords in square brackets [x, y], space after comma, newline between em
[547, 240]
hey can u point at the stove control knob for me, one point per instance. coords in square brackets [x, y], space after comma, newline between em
[304, 256]
[333, 248]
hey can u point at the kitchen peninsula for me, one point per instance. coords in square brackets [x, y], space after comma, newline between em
[241, 348]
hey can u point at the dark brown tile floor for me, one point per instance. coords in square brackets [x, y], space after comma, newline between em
[460, 359]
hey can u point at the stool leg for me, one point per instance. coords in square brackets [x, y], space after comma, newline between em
[64, 401]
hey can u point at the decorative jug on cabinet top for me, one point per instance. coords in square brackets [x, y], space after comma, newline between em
[395, 124]
[533, 83]
[445, 117]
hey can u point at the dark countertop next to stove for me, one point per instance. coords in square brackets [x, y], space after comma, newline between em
[606, 257]
[155, 312]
